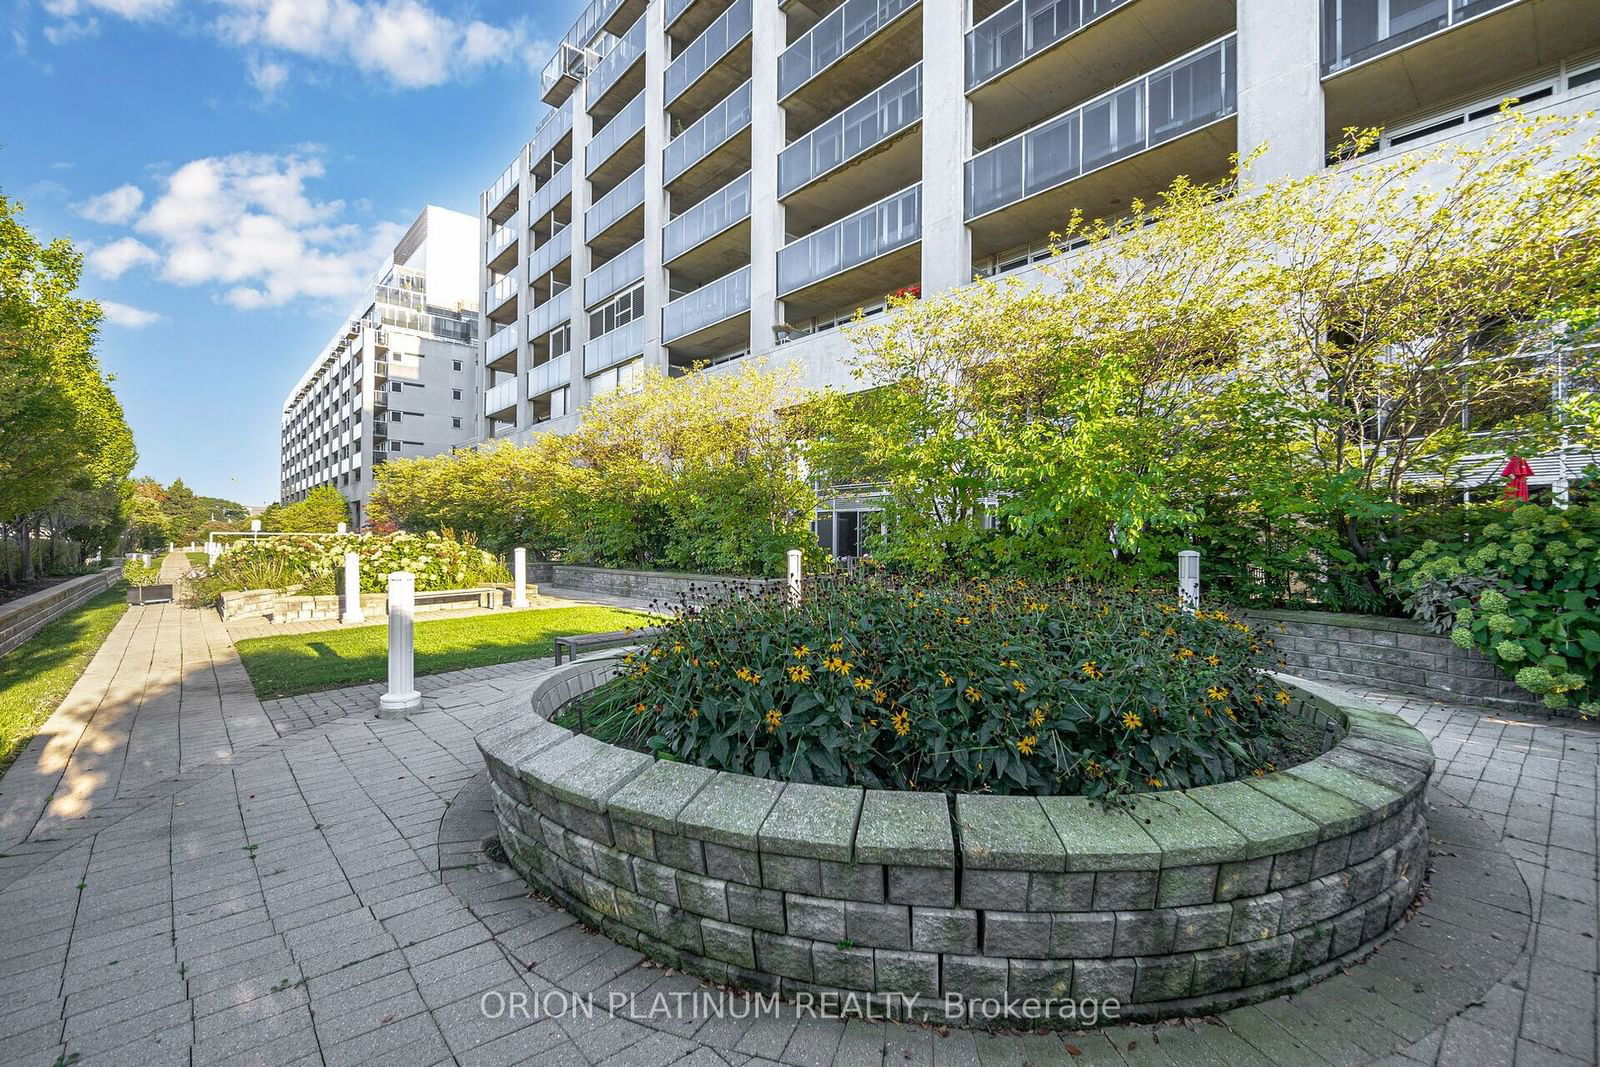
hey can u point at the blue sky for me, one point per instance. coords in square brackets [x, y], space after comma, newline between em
[236, 169]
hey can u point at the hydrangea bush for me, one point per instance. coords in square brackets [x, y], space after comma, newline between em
[997, 686]
[1526, 592]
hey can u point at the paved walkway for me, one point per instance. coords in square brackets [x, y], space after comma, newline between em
[217, 882]
[258, 626]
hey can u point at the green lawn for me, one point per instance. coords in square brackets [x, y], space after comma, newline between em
[198, 559]
[301, 663]
[35, 676]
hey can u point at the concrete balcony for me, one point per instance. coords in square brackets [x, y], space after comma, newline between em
[1129, 142]
[871, 253]
[690, 323]
[619, 76]
[623, 204]
[568, 65]
[550, 255]
[500, 399]
[845, 55]
[554, 192]
[1383, 66]
[713, 234]
[500, 298]
[500, 248]
[1031, 55]
[617, 150]
[500, 348]
[500, 199]
[551, 131]
[618, 346]
[713, 64]
[711, 152]
[621, 270]
[858, 156]
[553, 374]
[550, 314]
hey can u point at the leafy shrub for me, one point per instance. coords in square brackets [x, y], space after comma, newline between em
[995, 686]
[139, 573]
[1527, 592]
[315, 565]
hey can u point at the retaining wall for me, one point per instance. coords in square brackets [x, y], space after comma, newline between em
[1368, 650]
[666, 586]
[1189, 902]
[277, 606]
[22, 618]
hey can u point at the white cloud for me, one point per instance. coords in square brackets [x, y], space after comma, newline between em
[113, 208]
[120, 256]
[127, 316]
[245, 225]
[268, 76]
[128, 9]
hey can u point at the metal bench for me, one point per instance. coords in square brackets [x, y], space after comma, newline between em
[588, 642]
[483, 597]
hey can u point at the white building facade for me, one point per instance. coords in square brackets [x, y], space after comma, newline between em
[716, 178]
[400, 377]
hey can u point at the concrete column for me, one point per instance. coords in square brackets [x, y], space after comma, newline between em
[766, 141]
[655, 198]
[1280, 87]
[519, 578]
[352, 589]
[402, 695]
[582, 198]
[946, 144]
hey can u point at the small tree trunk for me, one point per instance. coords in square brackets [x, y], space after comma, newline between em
[24, 552]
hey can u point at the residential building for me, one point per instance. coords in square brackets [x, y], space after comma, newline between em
[400, 376]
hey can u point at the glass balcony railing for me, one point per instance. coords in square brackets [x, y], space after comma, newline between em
[622, 269]
[874, 118]
[552, 375]
[839, 31]
[550, 314]
[719, 38]
[551, 254]
[554, 126]
[1185, 95]
[713, 128]
[497, 398]
[674, 9]
[501, 237]
[709, 217]
[612, 348]
[1357, 30]
[626, 123]
[551, 193]
[498, 344]
[891, 223]
[502, 185]
[567, 59]
[615, 204]
[500, 292]
[710, 304]
[1024, 28]
[625, 52]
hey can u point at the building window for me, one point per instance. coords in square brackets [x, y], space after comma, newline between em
[394, 416]
[456, 423]
[395, 387]
[455, 364]
[455, 394]
[394, 446]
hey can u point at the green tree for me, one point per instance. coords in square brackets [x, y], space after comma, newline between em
[322, 510]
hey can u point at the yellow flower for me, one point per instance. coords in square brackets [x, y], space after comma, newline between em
[879, 696]
[1036, 720]
[694, 661]
[837, 646]
[1026, 745]
[1091, 669]
[1214, 660]
[678, 647]
[799, 673]
[1019, 685]
[962, 620]
[748, 676]
[1013, 664]
[1186, 653]
[862, 684]
[1283, 696]
[1170, 632]
[1131, 720]
[973, 695]
[947, 678]
[1094, 770]
[694, 713]
[639, 708]
[1153, 783]
[901, 721]
[801, 652]
[1216, 692]
[774, 720]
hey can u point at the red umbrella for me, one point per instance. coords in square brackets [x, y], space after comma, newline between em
[1516, 471]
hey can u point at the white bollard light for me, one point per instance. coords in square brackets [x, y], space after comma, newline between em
[344, 528]
[519, 578]
[352, 589]
[794, 578]
[255, 525]
[1189, 581]
[402, 695]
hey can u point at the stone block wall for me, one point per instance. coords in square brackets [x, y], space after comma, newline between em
[1367, 650]
[22, 618]
[665, 586]
[1187, 902]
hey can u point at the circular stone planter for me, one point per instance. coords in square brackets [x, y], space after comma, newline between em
[1189, 902]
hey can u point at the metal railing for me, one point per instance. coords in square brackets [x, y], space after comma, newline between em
[706, 219]
[871, 120]
[500, 291]
[551, 193]
[1024, 28]
[622, 269]
[1182, 96]
[498, 344]
[551, 375]
[622, 127]
[502, 185]
[548, 133]
[1354, 31]
[710, 304]
[612, 348]
[566, 60]
[840, 31]
[625, 52]
[718, 39]
[550, 314]
[712, 129]
[499, 397]
[875, 230]
[628, 195]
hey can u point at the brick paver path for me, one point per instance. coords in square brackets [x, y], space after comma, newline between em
[215, 882]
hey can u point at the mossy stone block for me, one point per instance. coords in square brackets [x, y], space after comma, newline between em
[1097, 837]
[817, 821]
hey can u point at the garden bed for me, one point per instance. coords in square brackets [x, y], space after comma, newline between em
[1178, 902]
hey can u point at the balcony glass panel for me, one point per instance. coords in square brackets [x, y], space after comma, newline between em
[709, 217]
[501, 237]
[498, 344]
[583, 31]
[892, 223]
[1357, 30]
[502, 185]
[551, 193]
[612, 348]
[551, 129]
[1024, 28]
[549, 255]
[550, 314]
[628, 121]
[707, 305]
[730, 27]
[713, 128]
[622, 269]
[1182, 96]
[615, 204]
[552, 375]
[625, 51]
[676, 8]
[499, 397]
[874, 118]
[839, 31]
[501, 291]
